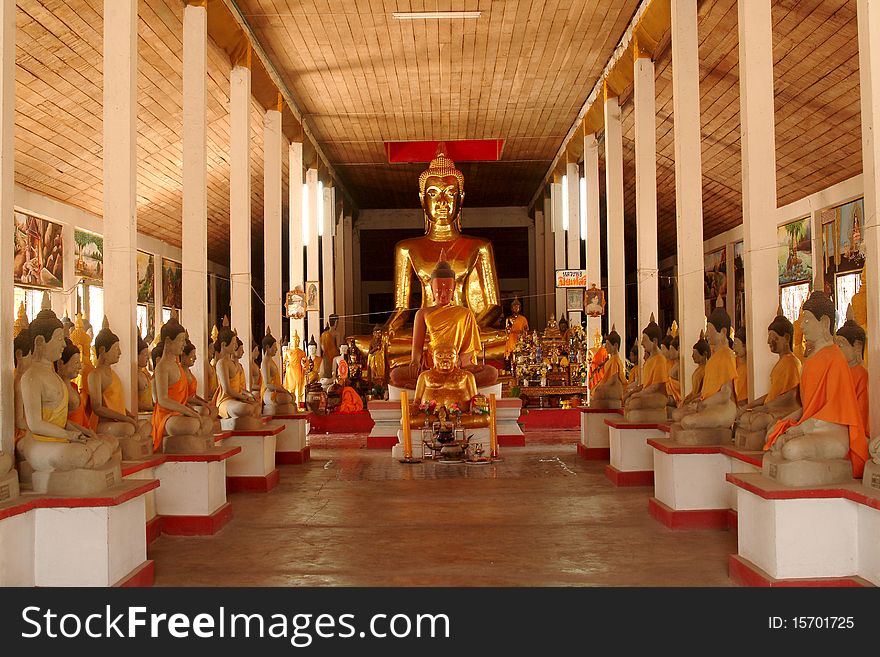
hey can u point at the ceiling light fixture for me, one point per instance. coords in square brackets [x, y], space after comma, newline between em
[427, 15]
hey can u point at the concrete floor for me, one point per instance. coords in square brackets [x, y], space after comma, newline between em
[354, 517]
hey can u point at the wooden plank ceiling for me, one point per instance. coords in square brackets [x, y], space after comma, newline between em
[59, 109]
[818, 123]
[520, 73]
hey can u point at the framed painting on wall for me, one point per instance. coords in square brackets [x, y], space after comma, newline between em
[172, 284]
[39, 252]
[146, 289]
[313, 296]
[88, 255]
[795, 251]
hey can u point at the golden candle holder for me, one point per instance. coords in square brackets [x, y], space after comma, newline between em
[407, 432]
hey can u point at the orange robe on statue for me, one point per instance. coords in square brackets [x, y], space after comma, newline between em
[453, 325]
[597, 366]
[673, 389]
[720, 368]
[860, 381]
[350, 401]
[179, 392]
[79, 415]
[784, 376]
[517, 326]
[656, 370]
[828, 393]
[742, 380]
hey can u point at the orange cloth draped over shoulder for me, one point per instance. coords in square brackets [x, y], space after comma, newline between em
[673, 389]
[697, 382]
[79, 415]
[517, 326]
[276, 381]
[720, 369]
[192, 384]
[828, 393]
[614, 368]
[177, 391]
[113, 397]
[785, 376]
[656, 370]
[453, 325]
[742, 380]
[860, 382]
[237, 384]
[350, 401]
[85, 401]
[597, 367]
[633, 375]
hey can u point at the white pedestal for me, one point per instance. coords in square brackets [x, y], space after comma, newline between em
[145, 470]
[17, 543]
[291, 445]
[95, 542]
[192, 498]
[595, 442]
[253, 468]
[632, 459]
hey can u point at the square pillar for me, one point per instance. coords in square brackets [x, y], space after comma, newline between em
[272, 146]
[296, 272]
[614, 201]
[591, 234]
[7, 190]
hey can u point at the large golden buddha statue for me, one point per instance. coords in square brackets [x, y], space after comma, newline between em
[441, 191]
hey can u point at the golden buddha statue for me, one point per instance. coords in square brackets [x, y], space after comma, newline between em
[609, 390]
[646, 401]
[441, 190]
[448, 386]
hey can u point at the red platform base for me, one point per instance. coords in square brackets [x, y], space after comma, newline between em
[745, 573]
[293, 458]
[732, 520]
[359, 422]
[253, 484]
[197, 525]
[594, 453]
[696, 519]
[512, 441]
[141, 576]
[629, 478]
[552, 418]
[381, 442]
[154, 529]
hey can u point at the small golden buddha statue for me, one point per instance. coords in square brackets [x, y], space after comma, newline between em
[294, 377]
[447, 385]
[441, 190]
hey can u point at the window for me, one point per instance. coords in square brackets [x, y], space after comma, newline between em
[792, 298]
[32, 300]
[95, 297]
[143, 320]
[166, 314]
[846, 285]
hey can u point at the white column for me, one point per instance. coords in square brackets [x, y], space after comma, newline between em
[295, 234]
[591, 235]
[313, 319]
[120, 184]
[616, 307]
[240, 207]
[7, 187]
[347, 265]
[328, 218]
[272, 146]
[573, 237]
[758, 130]
[556, 202]
[194, 314]
[357, 295]
[158, 295]
[65, 302]
[646, 192]
[549, 262]
[539, 274]
[339, 278]
[869, 77]
[688, 180]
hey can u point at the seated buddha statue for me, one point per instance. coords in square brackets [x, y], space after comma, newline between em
[472, 260]
[742, 367]
[609, 390]
[646, 402]
[444, 323]
[329, 345]
[673, 384]
[312, 365]
[176, 426]
[145, 398]
[782, 398]
[210, 417]
[632, 379]
[851, 339]
[67, 459]
[700, 355]
[828, 427]
[211, 355]
[237, 406]
[709, 419]
[276, 400]
[22, 348]
[349, 400]
[598, 355]
[294, 377]
[68, 368]
[448, 386]
[254, 368]
[107, 399]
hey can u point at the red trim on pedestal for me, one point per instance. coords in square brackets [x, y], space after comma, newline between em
[732, 520]
[752, 458]
[293, 458]
[116, 495]
[512, 441]
[216, 454]
[197, 525]
[154, 528]
[294, 416]
[268, 431]
[744, 573]
[668, 447]
[769, 489]
[614, 424]
[359, 422]
[223, 435]
[609, 411]
[130, 467]
[689, 519]
[253, 484]
[593, 453]
[551, 418]
[141, 576]
[629, 477]
[381, 442]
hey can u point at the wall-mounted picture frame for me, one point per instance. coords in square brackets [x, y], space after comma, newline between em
[574, 299]
[296, 304]
[595, 301]
[39, 252]
[313, 296]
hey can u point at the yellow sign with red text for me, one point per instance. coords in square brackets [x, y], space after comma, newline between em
[571, 278]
